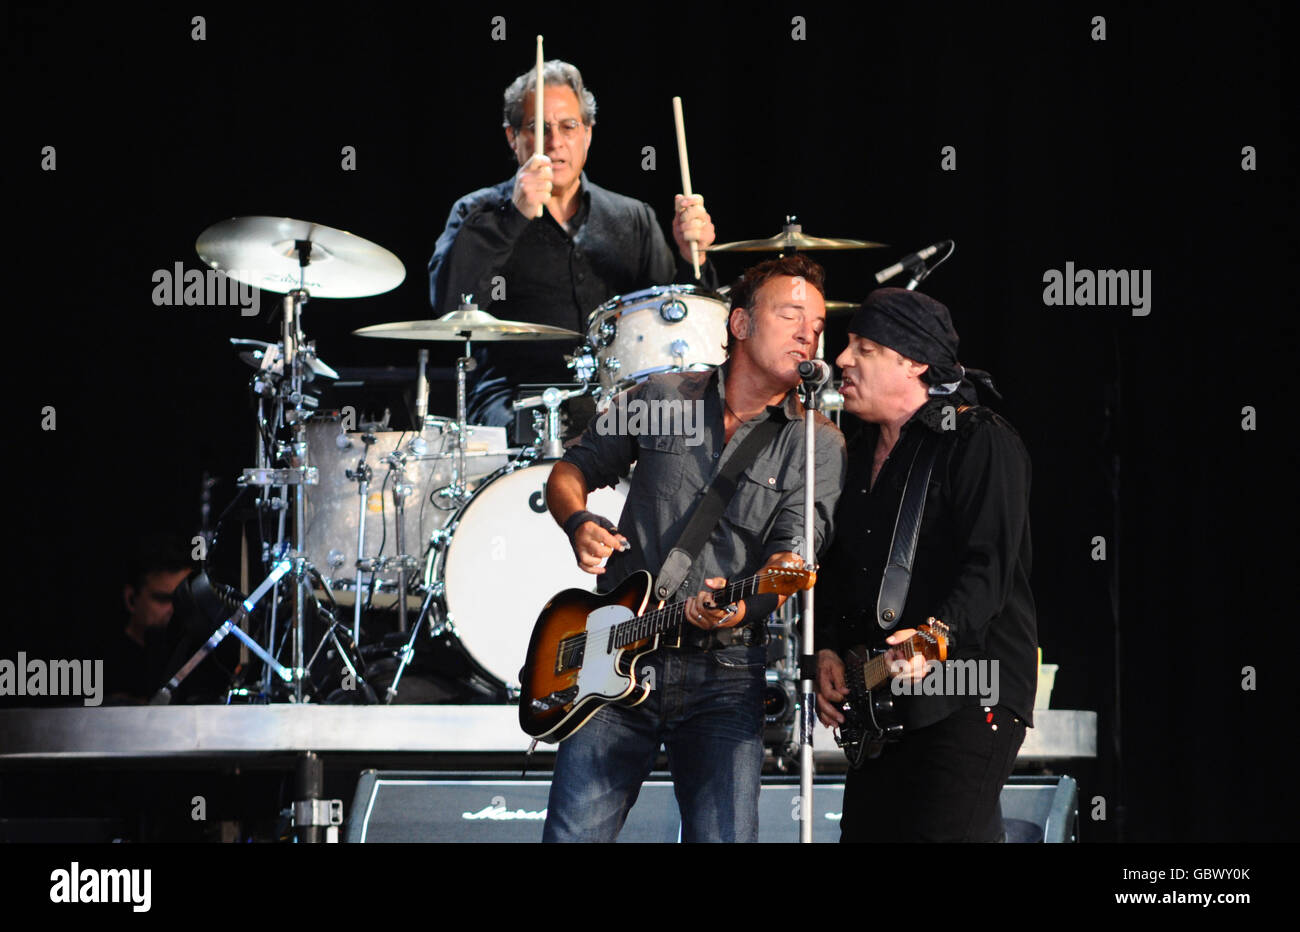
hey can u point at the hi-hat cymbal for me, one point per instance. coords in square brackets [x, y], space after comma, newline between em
[792, 239]
[263, 252]
[478, 326]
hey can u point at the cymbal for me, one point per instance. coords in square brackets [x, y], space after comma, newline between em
[793, 238]
[263, 252]
[475, 325]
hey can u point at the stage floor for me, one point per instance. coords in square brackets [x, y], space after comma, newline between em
[199, 731]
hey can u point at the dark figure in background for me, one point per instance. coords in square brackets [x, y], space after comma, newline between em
[902, 383]
[589, 245]
[162, 629]
[135, 656]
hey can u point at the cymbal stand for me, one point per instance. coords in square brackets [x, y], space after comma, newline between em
[458, 490]
[292, 410]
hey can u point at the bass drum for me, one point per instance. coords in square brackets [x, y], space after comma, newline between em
[501, 558]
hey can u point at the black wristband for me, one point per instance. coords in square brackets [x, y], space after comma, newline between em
[579, 518]
[758, 607]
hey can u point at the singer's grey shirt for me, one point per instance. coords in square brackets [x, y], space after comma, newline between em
[676, 461]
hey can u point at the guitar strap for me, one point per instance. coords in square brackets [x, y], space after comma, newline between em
[897, 578]
[705, 517]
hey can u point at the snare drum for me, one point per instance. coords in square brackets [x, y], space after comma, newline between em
[667, 328]
[500, 560]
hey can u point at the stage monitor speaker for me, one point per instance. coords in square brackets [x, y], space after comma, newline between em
[1041, 809]
[403, 806]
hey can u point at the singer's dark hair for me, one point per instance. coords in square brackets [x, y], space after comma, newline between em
[752, 279]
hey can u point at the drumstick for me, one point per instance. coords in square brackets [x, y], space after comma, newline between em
[539, 131]
[686, 172]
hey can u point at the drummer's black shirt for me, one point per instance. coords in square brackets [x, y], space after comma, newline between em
[534, 270]
[972, 563]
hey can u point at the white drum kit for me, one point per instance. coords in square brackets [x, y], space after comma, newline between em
[445, 523]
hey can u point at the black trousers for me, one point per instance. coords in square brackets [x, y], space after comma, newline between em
[940, 783]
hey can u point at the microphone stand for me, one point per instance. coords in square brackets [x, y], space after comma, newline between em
[812, 384]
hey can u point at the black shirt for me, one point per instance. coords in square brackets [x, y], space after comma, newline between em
[520, 268]
[133, 670]
[972, 562]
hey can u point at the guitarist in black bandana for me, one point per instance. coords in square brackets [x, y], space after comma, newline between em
[957, 719]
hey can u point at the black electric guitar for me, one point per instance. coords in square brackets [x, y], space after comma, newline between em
[584, 647]
[869, 717]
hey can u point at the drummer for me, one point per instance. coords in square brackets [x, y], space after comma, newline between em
[589, 244]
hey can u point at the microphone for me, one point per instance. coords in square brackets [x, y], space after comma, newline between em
[886, 274]
[816, 372]
[421, 391]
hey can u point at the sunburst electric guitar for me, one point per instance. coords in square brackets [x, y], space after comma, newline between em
[584, 647]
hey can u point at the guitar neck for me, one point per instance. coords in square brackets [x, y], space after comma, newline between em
[876, 670]
[671, 616]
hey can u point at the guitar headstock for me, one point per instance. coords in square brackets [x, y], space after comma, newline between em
[933, 639]
[786, 580]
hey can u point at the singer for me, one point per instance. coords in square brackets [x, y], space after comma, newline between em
[706, 705]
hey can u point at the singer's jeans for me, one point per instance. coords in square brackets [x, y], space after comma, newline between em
[707, 711]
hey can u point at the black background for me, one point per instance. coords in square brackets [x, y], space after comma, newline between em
[1122, 154]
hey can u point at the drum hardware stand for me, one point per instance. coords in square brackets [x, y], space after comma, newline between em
[548, 444]
[273, 253]
[295, 351]
[407, 652]
[361, 476]
[405, 563]
[231, 626]
[348, 652]
[458, 490]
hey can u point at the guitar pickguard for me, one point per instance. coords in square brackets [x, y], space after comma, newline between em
[600, 674]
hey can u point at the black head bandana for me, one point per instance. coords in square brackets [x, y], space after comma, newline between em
[917, 326]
